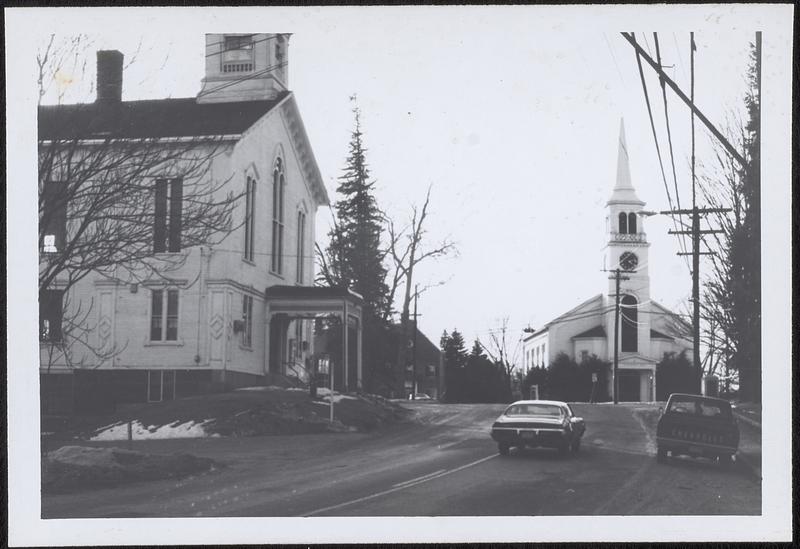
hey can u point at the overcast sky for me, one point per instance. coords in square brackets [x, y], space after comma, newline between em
[511, 114]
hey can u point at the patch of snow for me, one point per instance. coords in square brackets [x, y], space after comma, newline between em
[119, 431]
[337, 397]
[270, 388]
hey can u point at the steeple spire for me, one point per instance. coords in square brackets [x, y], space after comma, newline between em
[623, 189]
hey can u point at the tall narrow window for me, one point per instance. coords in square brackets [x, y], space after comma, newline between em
[247, 318]
[632, 223]
[53, 217]
[301, 246]
[164, 316]
[249, 219]
[168, 213]
[278, 184]
[630, 322]
[623, 223]
[50, 315]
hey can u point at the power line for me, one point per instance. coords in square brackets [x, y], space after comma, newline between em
[614, 58]
[655, 139]
[212, 54]
[669, 132]
[243, 78]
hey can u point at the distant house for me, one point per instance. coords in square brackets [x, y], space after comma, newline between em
[648, 330]
[236, 312]
[425, 372]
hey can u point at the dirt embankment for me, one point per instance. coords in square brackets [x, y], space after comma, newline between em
[74, 468]
[256, 411]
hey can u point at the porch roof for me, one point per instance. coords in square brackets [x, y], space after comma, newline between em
[312, 299]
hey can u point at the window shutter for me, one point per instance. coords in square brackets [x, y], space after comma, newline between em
[175, 214]
[160, 224]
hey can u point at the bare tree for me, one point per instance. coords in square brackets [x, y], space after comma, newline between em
[100, 190]
[406, 251]
[721, 188]
[499, 352]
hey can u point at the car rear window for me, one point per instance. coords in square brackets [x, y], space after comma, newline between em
[705, 408]
[534, 410]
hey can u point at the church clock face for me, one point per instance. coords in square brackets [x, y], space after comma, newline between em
[628, 261]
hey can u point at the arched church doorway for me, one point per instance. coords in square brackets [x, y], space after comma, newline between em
[630, 321]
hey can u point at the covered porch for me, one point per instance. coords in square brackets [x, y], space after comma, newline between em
[294, 356]
[637, 379]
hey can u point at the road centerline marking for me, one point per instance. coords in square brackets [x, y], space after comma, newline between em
[423, 477]
[396, 488]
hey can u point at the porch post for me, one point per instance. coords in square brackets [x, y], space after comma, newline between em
[267, 333]
[359, 345]
[345, 353]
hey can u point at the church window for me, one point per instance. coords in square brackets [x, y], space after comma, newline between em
[278, 184]
[632, 223]
[623, 223]
[249, 219]
[630, 322]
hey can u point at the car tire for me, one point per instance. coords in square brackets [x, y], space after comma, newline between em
[725, 461]
[503, 449]
[661, 455]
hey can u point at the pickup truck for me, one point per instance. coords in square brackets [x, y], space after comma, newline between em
[697, 426]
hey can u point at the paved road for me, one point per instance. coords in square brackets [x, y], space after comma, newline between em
[445, 464]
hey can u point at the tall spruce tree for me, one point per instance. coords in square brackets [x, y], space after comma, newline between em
[354, 252]
[354, 260]
[746, 249]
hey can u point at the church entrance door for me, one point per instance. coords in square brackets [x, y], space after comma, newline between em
[629, 386]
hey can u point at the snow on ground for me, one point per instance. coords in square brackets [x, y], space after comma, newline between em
[271, 388]
[119, 431]
[337, 397]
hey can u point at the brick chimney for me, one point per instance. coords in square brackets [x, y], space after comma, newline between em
[109, 76]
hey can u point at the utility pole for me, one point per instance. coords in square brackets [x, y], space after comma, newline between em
[695, 245]
[614, 375]
[414, 352]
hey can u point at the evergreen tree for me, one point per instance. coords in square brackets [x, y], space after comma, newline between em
[354, 252]
[746, 251]
[477, 349]
[454, 360]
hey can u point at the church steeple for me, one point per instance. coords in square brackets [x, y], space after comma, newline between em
[623, 192]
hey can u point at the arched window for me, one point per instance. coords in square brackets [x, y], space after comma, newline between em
[249, 219]
[623, 223]
[301, 247]
[632, 223]
[630, 321]
[278, 184]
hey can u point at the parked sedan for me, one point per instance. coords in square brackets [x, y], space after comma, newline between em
[697, 426]
[538, 423]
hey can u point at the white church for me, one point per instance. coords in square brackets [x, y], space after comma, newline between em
[648, 331]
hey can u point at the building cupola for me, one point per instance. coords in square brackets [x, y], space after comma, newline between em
[245, 67]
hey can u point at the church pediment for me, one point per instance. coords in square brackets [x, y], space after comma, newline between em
[302, 146]
[635, 359]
